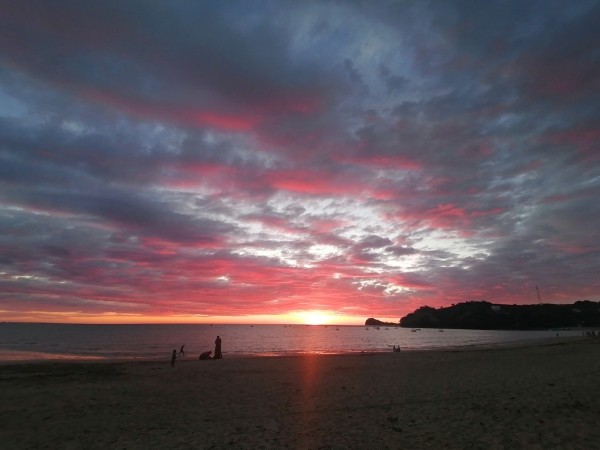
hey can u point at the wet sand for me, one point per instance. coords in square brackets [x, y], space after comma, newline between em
[540, 396]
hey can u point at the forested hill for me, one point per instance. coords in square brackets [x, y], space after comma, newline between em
[488, 316]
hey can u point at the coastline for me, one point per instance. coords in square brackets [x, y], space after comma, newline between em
[23, 356]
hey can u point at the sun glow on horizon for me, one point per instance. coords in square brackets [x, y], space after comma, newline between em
[314, 317]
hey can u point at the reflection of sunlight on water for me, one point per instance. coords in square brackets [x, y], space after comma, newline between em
[158, 341]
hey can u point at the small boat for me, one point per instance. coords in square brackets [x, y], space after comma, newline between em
[377, 328]
[366, 328]
[441, 331]
[387, 328]
[337, 329]
[413, 331]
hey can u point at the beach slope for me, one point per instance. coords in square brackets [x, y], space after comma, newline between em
[537, 396]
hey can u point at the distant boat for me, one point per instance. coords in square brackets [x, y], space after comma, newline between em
[377, 328]
[366, 328]
[387, 328]
[441, 331]
[337, 329]
[251, 325]
[414, 331]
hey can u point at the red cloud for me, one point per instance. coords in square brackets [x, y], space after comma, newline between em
[381, 161]
[443, 216]
[312, 182]
[174, 113]
[585, 138]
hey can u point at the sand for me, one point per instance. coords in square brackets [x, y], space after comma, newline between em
[540, 396]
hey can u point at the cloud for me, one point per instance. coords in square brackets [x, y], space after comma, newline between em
[231, 159]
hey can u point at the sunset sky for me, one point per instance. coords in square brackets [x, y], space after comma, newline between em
[277, 161]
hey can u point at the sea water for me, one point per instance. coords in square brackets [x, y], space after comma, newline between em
[158, 341]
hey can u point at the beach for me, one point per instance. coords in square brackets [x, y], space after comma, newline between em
[537, 396]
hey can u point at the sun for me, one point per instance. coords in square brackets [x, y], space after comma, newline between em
[314, 317]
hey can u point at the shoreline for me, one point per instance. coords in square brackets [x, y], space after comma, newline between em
[13, 357]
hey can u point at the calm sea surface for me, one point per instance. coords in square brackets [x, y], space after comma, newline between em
[152, 341]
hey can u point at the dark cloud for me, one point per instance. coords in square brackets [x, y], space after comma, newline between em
[372, 241]
[392, 82]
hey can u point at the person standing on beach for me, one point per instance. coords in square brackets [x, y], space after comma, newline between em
[181, 352]
[173, 358]
[218, 354]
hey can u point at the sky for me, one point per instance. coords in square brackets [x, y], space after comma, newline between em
[268, 161]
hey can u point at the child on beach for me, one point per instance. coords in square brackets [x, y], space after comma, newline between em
[205, 355]
[173, 358]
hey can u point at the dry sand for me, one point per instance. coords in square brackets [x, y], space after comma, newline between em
[542, 396]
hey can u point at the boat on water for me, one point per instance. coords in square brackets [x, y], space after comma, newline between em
[441, 331]
[377, 328]
[387, 328]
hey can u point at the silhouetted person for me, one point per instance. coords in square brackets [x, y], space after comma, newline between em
[173, 358]
[181, 352]
[218, 354]
[205, 355]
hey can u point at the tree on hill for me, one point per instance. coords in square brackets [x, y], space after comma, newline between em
[487, 316]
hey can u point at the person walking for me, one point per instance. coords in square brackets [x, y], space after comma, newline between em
[218, 354]
[181, 352]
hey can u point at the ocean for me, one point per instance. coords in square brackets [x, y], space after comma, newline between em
[158, 341]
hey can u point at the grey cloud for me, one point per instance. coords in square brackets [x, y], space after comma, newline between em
[393, 82]
[159, 52]
[372, 241]
[397, 250]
